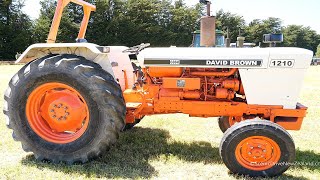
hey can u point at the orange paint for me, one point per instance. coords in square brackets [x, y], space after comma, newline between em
[181, 83]
[222, 93]
[165, 101]
[85, 21]
[57, 113]
[218, 74]
[212, 99]
[233, 84]
[126, 85]
[234, 120]
[241, 90]
[131, 95]
[179, 94]
[257, 153]
[165, 71]
[189, 94]
[290, 119]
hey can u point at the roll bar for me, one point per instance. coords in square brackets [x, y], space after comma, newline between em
[61, 4]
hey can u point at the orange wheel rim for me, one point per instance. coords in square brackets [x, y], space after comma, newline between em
[257, 153]
[57, 113]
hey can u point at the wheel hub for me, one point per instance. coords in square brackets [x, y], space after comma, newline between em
[258, 153]
[63, 111]
[57, 113]
[257, 150]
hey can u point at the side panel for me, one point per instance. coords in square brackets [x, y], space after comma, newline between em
[280, 83]
[272, 86]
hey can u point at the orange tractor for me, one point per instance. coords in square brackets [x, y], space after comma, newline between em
[71, 100]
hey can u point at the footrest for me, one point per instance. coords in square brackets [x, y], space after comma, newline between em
[133, 105]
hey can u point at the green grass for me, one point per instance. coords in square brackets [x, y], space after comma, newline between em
[163, 147]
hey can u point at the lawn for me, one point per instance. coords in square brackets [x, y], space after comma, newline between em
[164, 147]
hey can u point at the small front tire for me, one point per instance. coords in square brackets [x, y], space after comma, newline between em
[257, 148]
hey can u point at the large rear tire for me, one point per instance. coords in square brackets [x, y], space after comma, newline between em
[257, 148]
[64, 108]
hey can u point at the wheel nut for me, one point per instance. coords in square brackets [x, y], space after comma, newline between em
[259, 146]
[264, 150]
[65, 107]
[251, 147]
[54, 116]
[51, 110]
[249, 153]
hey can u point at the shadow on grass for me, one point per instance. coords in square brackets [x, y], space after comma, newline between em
[307, 160]
[135, 148]
[130, 157]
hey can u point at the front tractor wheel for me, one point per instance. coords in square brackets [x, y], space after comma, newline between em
[64, 108]
[257, 148]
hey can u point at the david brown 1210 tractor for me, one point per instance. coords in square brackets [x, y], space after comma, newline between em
[71, 100]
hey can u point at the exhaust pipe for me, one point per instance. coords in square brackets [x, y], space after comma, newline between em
[207, 27]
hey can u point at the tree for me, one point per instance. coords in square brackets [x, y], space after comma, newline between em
[233, 22]
[183, 21]
[15, 29]
[69, 25]
[157, 22]
[125, 22]
[131, 22]
[299, 36]
[318, 51]
[106, 23]
[257, 28]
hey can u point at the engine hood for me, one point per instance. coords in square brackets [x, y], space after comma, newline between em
[223, 57]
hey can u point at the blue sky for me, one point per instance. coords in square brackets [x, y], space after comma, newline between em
[300, 12]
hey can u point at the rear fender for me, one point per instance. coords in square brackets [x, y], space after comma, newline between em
[111, 58]
[89, 51]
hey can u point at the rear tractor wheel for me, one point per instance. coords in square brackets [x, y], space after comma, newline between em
[64, 108]
[257, 148]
